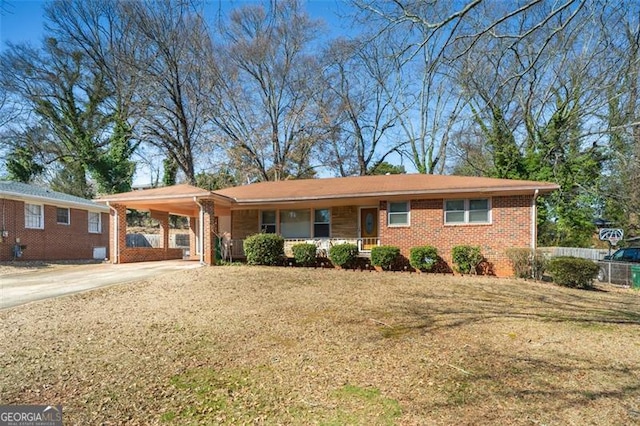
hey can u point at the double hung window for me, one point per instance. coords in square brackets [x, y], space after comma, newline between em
[95, 223]
[62, 216]
[467, 211]
[321, 223]
[33, 216]
[268, 221]
[399, 214]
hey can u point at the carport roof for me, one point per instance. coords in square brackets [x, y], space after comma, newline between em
[177, 199]
[165, 192]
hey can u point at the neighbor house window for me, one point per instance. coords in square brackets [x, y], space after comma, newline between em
[295, 223]
[321, 223]
[467, 211]
[95, 223]
[62, 216]
[399, 214]
[33, 216]
[268, 222]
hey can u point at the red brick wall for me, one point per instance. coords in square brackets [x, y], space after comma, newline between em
[148, 254]
[510, 227]
[55, 241]
[209, 222]
[118, 223]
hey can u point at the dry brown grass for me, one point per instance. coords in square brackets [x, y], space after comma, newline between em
[251, 345]
[20, 266]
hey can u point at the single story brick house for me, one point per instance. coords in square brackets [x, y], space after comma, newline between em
[401, 210]
[40, 224]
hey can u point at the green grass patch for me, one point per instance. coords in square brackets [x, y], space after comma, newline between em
[358, 405]
[390, 332]
[220, 397]
[459, 393]
[209, 396]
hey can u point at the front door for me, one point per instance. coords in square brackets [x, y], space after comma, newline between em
[369, 227]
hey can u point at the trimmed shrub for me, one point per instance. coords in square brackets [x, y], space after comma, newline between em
[304, 253]
[264, 249]
[384, 256]
[423, 258]
[466, 258]
[527, 264]
[343, 255]
[569, 271]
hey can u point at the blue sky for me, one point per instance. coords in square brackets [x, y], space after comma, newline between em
[22, 20]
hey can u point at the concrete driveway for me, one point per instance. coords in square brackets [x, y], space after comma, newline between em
[20, 288]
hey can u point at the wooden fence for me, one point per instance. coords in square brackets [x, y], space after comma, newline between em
[585, 253]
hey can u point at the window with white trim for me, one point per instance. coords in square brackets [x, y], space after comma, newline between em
[399, 214]
[33, 216]
[476, 210]
[62, 216]
[95, 223]
[321, 223]
[268, 221]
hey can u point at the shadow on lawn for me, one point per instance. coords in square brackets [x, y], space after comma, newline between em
[432, 310]
[533, 374]
[545, 386]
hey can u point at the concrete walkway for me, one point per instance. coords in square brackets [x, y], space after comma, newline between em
[20, 288]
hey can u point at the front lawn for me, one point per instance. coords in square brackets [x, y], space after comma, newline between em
[256, 345]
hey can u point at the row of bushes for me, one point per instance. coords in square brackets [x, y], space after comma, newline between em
[268, 249]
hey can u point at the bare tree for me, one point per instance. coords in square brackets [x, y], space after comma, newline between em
[429, 108]
[464, 23]
[264, 106]
[433, 37]
[171, 60]
[99, 30]
[362, 93]
[621, 66]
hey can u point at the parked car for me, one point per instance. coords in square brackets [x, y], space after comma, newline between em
[629, 254]
[616, 268]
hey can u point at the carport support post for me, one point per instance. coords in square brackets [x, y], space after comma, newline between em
[208, 243]
[163, 219]
[117, 231]
[194, 251]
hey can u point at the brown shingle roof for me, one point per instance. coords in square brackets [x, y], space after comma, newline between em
[372, 186]
[168, 192]
[182, 196]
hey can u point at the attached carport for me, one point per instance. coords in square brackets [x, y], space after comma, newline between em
[204, 209]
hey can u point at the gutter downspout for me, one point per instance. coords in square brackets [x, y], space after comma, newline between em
[534, 230]
[116, 235]
[200, 230]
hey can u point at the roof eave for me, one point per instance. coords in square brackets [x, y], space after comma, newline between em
[508, 190]
[124, 200]
[54, 201]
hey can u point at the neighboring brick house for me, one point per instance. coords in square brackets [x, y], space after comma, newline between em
[40, 224]
[401, 210]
